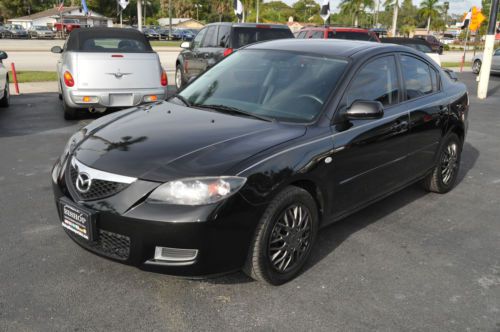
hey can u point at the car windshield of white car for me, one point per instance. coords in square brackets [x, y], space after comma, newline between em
[281, 85]
[109, 41]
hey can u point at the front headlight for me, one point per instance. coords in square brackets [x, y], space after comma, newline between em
[197, 191]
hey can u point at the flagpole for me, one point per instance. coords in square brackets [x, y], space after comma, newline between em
[465, 47]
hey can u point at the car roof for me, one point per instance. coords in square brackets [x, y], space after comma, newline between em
[251, 25]
[341, 29]
[327, 47]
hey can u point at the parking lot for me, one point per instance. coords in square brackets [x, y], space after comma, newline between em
[414, 261]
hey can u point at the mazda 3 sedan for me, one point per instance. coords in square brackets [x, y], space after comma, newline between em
[242, 168]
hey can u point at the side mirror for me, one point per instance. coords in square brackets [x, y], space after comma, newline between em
[56, 49]
[365, 110]
[185, 44]
[3, 55]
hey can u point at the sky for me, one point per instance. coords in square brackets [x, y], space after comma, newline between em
[456, 6]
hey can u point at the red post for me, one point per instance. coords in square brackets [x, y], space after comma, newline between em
[14, 77]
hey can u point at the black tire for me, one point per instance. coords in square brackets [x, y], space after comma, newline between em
[440, 51]
[444, 175]
[297, 242]
[70, 113]
[5, 101]
[179, 77]
[476, 66]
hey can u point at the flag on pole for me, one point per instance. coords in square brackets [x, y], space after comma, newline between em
[325, 10]
[85, 8]
[123, 3]
[238, 9]
[466, 20]
[60, 7]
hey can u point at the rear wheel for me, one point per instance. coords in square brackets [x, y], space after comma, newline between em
[440, 51]
[476, 66]
[444, 175]
[284, 237]
[5, 101]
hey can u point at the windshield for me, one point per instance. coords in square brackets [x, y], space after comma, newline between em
[245, 36]
[280, 85]
[41, 28]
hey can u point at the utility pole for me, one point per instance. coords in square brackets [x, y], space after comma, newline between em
[139, 15]
[257, 15]
[170, 19]
[484, 75]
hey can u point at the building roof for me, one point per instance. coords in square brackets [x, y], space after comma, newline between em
[46, 13]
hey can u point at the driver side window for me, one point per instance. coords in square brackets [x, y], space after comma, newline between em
[199, 37]
[376, 81]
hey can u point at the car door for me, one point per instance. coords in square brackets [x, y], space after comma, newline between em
[369, 156]
[495, 64]
[207, 55]
[428, 108]
[192, 65]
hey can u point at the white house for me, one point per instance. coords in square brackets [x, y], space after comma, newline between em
[50, 16]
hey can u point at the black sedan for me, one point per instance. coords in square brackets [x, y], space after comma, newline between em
[243, 167]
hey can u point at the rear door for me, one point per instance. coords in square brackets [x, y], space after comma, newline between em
[192, 64]
[370, 155]
[428, 107]
[207, 52]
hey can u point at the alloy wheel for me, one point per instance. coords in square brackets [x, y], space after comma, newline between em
[290, 238]
[449, 162]
[477, 67]
[178, 78]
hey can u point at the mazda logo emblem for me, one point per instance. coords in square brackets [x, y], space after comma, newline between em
[83, 182]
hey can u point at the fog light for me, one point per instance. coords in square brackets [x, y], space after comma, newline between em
[150, 99]
[175, 254]
[86, 99]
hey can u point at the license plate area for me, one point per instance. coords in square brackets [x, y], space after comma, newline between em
[80, 221]
[121, 99]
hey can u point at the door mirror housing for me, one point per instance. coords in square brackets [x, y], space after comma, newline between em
[365, 110]
[3, 55]
[56, 49]
[185, 45]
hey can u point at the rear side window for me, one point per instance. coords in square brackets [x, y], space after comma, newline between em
[245, 36]
[376, 81]
[417, 77]
[317, 35]
[302, 34]
[113, 45]
[211, 37]
[354, 35]
[223, 37]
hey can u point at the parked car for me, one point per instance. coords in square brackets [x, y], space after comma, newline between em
[164, 34]
[41, 32]
[218, 40]
[14, 31]
[337, 33]
[103, 68]
[3, 31]
[243, 167]
[415, 43]
[4, 82]
[477, 62]
[435, 44]
[67, 25]
[151, 34]
[182, 34]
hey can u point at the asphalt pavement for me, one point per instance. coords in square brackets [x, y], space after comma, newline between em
[414, 261]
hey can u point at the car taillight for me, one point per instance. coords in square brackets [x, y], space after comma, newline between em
[164, 79]
[228, 51]
[68, 79]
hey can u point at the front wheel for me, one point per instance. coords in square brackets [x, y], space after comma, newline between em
[444, 175]
[284, 237]
[476, 67]
[179, 77]
[5, 101]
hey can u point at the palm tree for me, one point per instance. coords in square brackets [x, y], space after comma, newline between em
[354, 7]
[395, 5]
[429, 9]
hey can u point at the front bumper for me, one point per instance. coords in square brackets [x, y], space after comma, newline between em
[129, 229]
[73, 97]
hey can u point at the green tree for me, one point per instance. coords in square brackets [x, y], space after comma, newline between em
[429, 9]
[305, 10]
[355, 7]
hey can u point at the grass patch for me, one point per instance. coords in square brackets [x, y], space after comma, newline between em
[34, 76]
[455, 64]
[172, 43]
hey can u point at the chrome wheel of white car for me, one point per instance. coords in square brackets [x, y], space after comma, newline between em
[476, 67]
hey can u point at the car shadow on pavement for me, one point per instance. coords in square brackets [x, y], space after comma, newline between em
[332, 236]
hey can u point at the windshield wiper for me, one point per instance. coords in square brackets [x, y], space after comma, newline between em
[233, 110]
[181, 98]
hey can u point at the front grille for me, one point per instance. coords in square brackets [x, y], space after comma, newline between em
[99, 189]
[109, 244]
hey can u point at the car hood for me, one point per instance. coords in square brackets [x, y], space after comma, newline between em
[168, 141]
